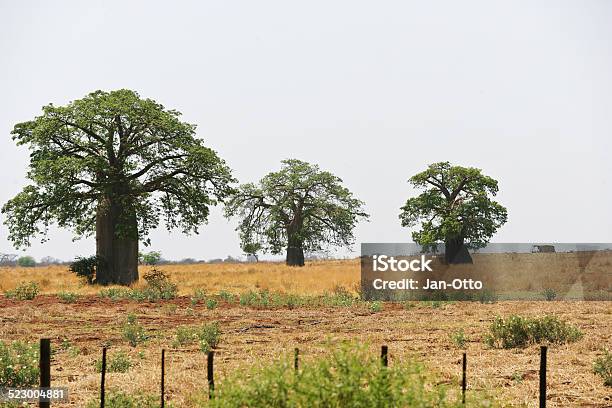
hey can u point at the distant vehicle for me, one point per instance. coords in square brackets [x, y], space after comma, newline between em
[542, 248]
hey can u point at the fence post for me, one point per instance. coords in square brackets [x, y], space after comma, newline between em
[543, 351]
[103, 374]
[384, 356]
[211, 379]
[45, 369]
[464, 378]
[296, 354]
[162, 376]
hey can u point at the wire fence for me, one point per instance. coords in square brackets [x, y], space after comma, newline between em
[45, 372]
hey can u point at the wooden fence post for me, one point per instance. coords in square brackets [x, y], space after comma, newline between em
[103, 374]
[543, 351]
[296, 354]
[45, 369]
[162, 376]
[384, 356]
[464, 378]
[211, 379]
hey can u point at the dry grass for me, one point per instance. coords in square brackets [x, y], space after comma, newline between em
[314, 278]
[254, 336]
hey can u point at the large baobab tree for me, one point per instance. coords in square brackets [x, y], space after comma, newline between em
[114, 164]
[298, 208]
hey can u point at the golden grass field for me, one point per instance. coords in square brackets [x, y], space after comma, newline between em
[252, 336]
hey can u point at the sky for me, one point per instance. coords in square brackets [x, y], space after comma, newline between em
[371, 91]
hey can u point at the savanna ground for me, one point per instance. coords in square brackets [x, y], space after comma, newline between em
[254, 335]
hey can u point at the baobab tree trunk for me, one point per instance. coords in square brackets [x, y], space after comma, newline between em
[116, 244]
[456, 252]
[295, 256]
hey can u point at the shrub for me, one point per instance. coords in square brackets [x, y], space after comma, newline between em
[85, 267]
[18, 364]
[122, 400]
[226, 296]
[375, 306]
[339, 297]
[159, 285]
[133, 332]
[518, 331]
[211, 304]
[68, 297]
[207, 336]
[351, 377]
[198, 296]
[459, 338]
[549, 294]
[603, 367]
[117, 363]
[25, 291]
[26, 261]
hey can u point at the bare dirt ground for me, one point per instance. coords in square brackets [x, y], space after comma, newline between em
[259, 336]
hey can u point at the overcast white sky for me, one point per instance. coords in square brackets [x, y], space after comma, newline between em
[372, 91]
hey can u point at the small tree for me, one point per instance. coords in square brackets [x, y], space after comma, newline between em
[456, 209]
[298, 208]
[151, 258]
[26, 261]
[251, 249]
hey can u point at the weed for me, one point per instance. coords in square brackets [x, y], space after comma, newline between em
[211, 304]
[133, 332]
[603, 367]
[25, 291]
[18, 364]
[67, 297]
[375, 306]
[117, 363]
[459, 338]
[549, 294]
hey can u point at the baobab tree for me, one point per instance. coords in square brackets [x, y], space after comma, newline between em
[456, 209]
[298, 208]
[116, 165]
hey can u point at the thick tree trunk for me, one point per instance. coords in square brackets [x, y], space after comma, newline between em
[295, 256]
[456, 252]
[118, 251]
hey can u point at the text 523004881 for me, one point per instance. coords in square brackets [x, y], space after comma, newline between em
[50, 394]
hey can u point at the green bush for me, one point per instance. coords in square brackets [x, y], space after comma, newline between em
[518, 331]
[376, 306]
[198, 296]
[603, 367]
[26, 261]
[351, 377]
[116, 363]
[121, 400]
[85, 267]
[68, 297]
[549, 294]
[211, 304]
[133, 332]
[459, 338]
[207, 336]
[159, 285]
[18, 364]
[25, 291]
[226, 296]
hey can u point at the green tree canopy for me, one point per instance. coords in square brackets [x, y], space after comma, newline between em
[298, 208]
[116, 165]
[456, 208]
